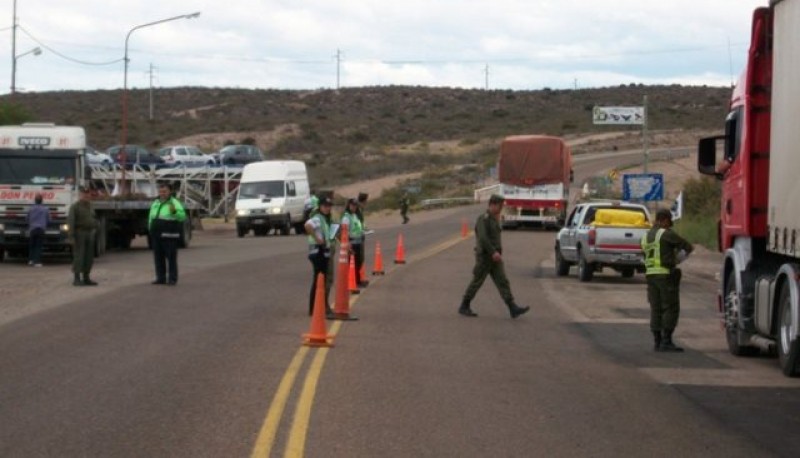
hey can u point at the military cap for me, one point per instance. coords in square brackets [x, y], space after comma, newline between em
[325, 201]
[496, 199]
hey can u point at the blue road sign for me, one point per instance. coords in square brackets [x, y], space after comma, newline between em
[643, 186]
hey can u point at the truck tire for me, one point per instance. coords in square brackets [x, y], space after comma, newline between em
[731, 306]
[788, 343]
[562, 266]
[585, 269]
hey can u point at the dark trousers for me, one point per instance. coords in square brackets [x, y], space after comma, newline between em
[319, 264]
[484, 265]
[664, 298]
[83, 252]
[165, 255]
[358, 257]
[35, 245]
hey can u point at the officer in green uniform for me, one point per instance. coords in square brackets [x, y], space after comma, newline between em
[164, 225]
[489, 260]
[82, 228]
[663, 250]
[355, 232]
[318, 230]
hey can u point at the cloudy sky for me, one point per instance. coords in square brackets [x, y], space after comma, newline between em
[293, 44]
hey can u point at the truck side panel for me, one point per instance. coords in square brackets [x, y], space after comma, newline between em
[784, 186]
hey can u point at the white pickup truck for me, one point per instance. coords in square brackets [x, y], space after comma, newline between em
[602, 234]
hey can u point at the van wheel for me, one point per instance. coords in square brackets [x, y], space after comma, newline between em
[585, 270]
[286, 227]
[240, 231]
[788, 342]
[299, 229]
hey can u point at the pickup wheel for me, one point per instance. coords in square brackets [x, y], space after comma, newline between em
[788, 343]
[562, 266]
[732, 306]
[585, 270]
[627, 272]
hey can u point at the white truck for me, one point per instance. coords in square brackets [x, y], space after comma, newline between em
[759, 224]
[42, 158]
[272, 195]
[535, 172]
[602, 234]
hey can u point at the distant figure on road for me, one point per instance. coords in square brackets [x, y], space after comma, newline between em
[404, 208]
[489, 260]
[164, 224]
[82, 229]
[38, 218]
[318, 229]
[663, 251]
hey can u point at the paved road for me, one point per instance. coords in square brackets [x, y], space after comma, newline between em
[204, 368]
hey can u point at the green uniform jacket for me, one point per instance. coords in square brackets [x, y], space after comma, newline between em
[159, 210]
[487, 235]
[81, 217]
[671, 244]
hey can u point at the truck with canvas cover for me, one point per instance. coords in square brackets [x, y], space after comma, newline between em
[534, 172]
[759, 219]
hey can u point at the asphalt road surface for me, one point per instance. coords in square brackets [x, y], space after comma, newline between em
[214, 367]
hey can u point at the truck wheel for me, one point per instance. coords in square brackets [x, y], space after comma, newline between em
[788, 343]
[731, 306]
[562, 266]
[627, 272]
[585, 270]
[240, 231]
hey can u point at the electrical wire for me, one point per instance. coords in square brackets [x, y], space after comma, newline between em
[64, 56]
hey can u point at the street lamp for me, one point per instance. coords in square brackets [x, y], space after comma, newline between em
[35, 51]
[125, 84]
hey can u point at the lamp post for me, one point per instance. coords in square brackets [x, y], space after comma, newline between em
[35, 51]
[123, 154]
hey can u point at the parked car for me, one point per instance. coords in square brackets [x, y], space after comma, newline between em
[239, 155]
[135, 154]
[94, 157]
[184, 155]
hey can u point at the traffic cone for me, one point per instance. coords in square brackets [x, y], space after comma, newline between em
[377, 266]
[464, 229]
[400, 253]
[351, 280]
[318, 335]
[341, 309]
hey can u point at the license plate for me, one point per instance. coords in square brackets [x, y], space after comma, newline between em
[630, 257]
[258, 221]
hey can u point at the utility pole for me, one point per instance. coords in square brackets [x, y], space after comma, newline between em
[644, 137]
[14, 49]
[151, 72]
[486, 75]
[575, 84]
[338, 65]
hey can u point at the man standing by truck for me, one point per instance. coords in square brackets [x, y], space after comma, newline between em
[166, 218]
[82, 228]
[38, 219]
[663, 251]
[489, 260]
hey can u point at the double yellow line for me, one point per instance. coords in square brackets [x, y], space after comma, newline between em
[295, 445]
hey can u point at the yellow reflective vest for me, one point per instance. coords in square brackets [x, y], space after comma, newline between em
[652, 255]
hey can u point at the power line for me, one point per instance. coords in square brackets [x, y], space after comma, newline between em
[64, 56]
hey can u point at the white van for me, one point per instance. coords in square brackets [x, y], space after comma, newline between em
[271, 196]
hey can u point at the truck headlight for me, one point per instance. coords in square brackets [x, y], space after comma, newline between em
[277, 210]
[64, 228]
[241, 212]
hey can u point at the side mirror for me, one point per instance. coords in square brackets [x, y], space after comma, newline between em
[707, 155]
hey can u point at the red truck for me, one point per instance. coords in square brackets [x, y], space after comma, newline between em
[759, 225]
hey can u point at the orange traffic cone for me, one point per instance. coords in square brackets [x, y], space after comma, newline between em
[464, 229]
[318, 335]
[400, 254]
[377, 266]
[351, 280]
[341, 309]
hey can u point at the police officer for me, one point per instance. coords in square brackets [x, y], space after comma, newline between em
[82, 228]
[404, 207]
[318, 229]
[663, 250]
[489, 260]
[164, 224]
[355, 232]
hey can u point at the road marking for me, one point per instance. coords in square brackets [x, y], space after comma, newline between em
[295, 447]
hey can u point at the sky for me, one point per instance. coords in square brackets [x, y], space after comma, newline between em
[313, 44]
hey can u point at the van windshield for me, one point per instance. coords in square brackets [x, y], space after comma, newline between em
[266, 188]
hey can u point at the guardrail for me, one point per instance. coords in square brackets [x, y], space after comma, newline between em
[445, 202]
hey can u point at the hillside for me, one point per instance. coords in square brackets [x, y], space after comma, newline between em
[355, 134]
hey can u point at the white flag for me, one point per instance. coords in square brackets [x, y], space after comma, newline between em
[677, 207]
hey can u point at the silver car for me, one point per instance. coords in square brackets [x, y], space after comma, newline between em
[185, 155]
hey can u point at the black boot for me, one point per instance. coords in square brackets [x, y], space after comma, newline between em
[77, 281]
[88, 281]
[465, 310]
[515, 310]
[667, 344]
[657, 340]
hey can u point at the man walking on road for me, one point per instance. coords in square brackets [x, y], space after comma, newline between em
[489, 260]
[663, 251]
[164, 224]
[82, 228]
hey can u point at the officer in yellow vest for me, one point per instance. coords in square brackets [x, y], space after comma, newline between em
[318, 230]
[164, 225]
[355, 231]
[663, 250]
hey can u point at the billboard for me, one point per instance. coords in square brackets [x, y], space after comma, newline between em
[618, 115]
[643, 186]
